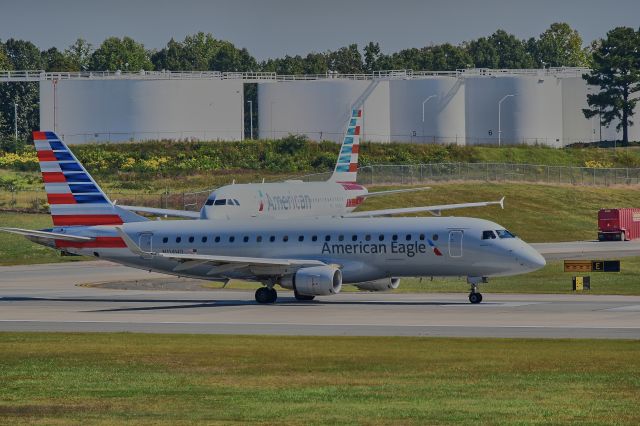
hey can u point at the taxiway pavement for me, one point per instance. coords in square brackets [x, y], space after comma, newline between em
[53, 298]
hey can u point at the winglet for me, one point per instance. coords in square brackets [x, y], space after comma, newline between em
[131, 245]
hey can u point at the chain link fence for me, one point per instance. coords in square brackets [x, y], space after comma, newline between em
[407, 174]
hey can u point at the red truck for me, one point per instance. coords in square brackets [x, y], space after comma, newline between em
[618, 224]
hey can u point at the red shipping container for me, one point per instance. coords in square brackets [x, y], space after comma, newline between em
[618, 224]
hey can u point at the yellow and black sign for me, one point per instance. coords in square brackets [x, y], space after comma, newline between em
[592, 266]
[581, 283]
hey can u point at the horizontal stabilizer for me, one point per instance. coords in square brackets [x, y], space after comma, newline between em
[45, 234]
[395, 191]
[163, 212]
[435, 210]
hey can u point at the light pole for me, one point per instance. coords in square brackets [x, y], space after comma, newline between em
[424, 102]
[500, 117]
[15, 119]
[251, 118]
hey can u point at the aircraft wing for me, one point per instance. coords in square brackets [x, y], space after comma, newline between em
[394, 191]
[221, 264]
[434, 210]
[588, 249]
[163, 212]
[45, 234]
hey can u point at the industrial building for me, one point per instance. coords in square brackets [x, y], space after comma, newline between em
[465, 107]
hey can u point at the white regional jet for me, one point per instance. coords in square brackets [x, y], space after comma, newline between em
[311, 256]
[338, 196]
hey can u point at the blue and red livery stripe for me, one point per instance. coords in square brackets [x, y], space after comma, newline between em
[436, 250]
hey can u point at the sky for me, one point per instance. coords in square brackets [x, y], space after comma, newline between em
[273, 28]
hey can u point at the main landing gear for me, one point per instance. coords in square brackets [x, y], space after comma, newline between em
[474, 295]
[266, 295]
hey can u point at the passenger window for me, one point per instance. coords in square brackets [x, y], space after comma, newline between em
[191, 239]
[204, 239]
[221, 202]
[340, 237]
[217, 240]
[408, 237]
[314, 238]
[165, 240]
[232, 239]
[259, 238]
[421, 237]
[272, 238]
[394, 237]
[327, 237]
[285, 238]
[178, 239]
[301, 238]
[246, 239]
[354, 238]
[435, 237]
[367, 237]
[488, 235]
[380, 237]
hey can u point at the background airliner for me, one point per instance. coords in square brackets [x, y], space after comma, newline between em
[338, 196]
[312, 256]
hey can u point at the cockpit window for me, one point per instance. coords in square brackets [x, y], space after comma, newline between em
[210, 202]
[488, 235]
[236, 201]
[503, 233]
[220, 202]
[230, 202]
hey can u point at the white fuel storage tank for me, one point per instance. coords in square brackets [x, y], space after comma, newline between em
[430, 110]
[140, 109]
[530, 111]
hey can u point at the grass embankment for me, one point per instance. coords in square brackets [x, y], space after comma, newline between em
[154, 166]
[168, 379]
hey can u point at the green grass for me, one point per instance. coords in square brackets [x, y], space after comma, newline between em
[61, 378]
[17, 250]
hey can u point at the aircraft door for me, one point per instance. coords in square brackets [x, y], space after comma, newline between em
[144, 241]
[455, 243]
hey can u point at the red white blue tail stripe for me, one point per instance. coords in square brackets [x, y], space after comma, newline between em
[74, 197]
[347, 166]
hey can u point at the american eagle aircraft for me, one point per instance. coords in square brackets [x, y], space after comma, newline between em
[338, 196]
[311, 256]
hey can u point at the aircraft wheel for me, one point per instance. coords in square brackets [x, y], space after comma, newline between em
[266, 295]
[475, 298]
[302, 297]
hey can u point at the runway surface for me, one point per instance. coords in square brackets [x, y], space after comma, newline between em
[52, 298]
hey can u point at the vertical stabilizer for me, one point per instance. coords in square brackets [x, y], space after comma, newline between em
[347, 166]
[75, 199]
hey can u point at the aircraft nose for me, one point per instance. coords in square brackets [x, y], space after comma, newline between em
[529, 258]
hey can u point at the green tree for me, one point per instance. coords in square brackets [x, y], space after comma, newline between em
[54, 60]
[197, 52]
[22, 55]
[316, 63]
[371, 57]
[511, 52]
[229, 58]
[346, 60]
[120, 54]
[79, 54]
[616, 70]
[289, 65]
[483, 53]
[560, 46]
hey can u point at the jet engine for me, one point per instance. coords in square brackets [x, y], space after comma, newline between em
[379, 285]
[314, 281]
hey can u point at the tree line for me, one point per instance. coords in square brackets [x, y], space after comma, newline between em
[558, 46]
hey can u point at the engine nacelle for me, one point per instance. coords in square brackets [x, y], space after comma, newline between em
[385, 284]
[315, 281]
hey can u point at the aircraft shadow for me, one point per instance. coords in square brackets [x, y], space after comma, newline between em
[199, 303]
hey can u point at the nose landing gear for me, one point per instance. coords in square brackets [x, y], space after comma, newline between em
[474, 295]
